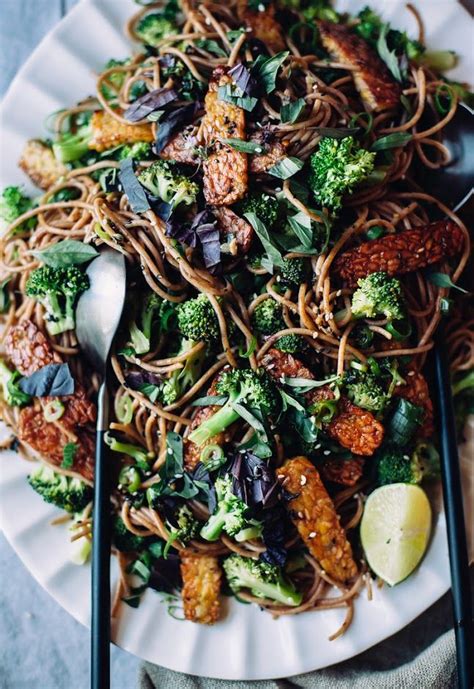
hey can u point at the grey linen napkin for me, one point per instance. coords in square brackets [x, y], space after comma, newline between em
[421, 656]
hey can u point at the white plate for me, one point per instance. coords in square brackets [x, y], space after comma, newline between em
[247, 644]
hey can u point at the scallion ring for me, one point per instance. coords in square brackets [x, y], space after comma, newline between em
[213, 457]
[53, 410]
[123, 407]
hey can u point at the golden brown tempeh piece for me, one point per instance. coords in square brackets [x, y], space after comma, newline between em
[314, 515]
[263, 24]
[201, 586]
[356, 429]
[401, 253]
[372, 78]
[182, 149]
[108, 132]
[38, 162]
[28, 349]
[225, 170]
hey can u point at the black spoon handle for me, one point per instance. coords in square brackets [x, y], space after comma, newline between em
[100, 626]
[453, 507]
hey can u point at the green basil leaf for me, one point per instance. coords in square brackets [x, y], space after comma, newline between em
[211, 46]
[291, 111]
[306, 383]
[69, 252]
[273, 253]
[210, 400]
[394, 140]
[443, 280]
[245, 354]
[244, 146]
[235, 96]
[265, 69]
[388, 56]
[286, 168]
[302, 227]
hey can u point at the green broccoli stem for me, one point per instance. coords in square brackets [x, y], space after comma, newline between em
[254, 531]
[217, 423]
[215, 524]
[71, 147]
[57, 319]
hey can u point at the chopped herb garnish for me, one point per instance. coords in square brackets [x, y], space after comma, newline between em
[69, 452]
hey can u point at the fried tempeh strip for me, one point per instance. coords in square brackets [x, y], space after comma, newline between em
[417, 392]
[376, 85]
[225, 170]
[401, 253]
[236, 231]
[346, 472]
[29, 350]
[314, 515]
[182, 149]
[201, 586]
[38, 162]
[108, 132]
[354, 428]
[274, 152]
[263, 23]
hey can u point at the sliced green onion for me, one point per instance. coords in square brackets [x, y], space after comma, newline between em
[130, 479]
[173, 536]
[123, 407]
[406, 418]
[444, 91]
[366, 118]
[213, 457]
[358, 366]
[53, 410]
[401, 331]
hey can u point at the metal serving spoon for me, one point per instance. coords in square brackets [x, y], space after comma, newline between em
[97, 318]
[454, 184]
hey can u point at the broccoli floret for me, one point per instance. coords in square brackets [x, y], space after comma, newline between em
[123, 539]
[11, 392]
[362, 336]
[265, 207]
[72, 146]
[70, 494]
[164, 180]
[230, 515]
[365, 391]
[378, 295]
[267, 319]
[370, 26]
[57, 290]
[403, 465]
[337, 167]
[263, 580]
[14, 203]
[140, 328]
[154, 27]
[140, 150]
[197, 320]
[183, 525]
[141, 456]
[184, 378]
[245, 388]
[294, 272]
[321, 9]
[116, 79]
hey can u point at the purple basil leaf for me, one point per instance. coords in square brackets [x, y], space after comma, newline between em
[244, 80]
[209, 238]
[162, 209]
[202, 232]
[254, 481]
[145, 105]
[274, 537]
[170, 123]
[132, 188]
[136, 379]
[166, 575]
[53, 380]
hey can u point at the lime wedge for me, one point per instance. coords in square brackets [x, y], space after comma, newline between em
[395, 529]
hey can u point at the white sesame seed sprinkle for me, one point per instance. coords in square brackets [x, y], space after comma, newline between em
[312, 534]
[303, 480]
[326, 452]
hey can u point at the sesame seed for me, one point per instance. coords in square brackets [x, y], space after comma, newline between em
[280, 476]
[326, 452]
[303, 480]
[120, 486]
[339, 292]
[406, 456]
[312, 534]
[300, 515]
[411, 373]
[315, 334]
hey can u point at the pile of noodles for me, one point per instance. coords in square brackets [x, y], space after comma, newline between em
[308, 312]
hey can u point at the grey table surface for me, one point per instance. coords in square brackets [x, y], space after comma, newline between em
[41, 646]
